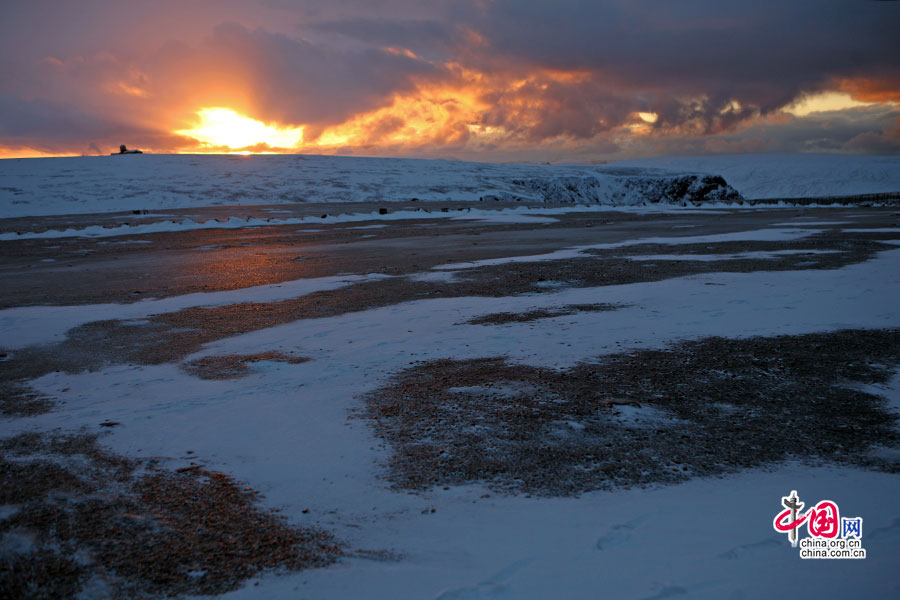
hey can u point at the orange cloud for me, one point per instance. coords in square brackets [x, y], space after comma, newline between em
[493, 77]
[867, 89]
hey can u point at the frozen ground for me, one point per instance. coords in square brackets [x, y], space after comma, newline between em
[295, 432]
[57, 186]
[53, 186]
[116, 196]
[521, 214]
[789, 175]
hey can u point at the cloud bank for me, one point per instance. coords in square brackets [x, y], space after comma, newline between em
[492, 79]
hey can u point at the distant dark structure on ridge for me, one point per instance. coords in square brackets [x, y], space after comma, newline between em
[124, 150]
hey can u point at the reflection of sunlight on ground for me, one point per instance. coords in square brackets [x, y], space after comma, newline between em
[223, 267]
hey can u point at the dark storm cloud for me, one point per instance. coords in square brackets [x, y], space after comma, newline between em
[43, 118]
[541, 70]
[761, 54]
[292, 80]
[863, 131]
[701, 65]
[856, 131]
[60, 127]
[428, 37]
[695, 43]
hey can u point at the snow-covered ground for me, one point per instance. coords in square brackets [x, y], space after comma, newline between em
[50, 186]
[284, 430]
[789, 175]
[53, 186]
[761, 235]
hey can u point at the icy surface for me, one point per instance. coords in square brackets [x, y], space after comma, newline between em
[789, 175]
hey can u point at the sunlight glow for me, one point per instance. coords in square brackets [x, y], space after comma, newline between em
[824, 101]
[224, 127]
[434, 116]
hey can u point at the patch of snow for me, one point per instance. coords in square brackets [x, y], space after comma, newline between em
[736, 256]
[890, 391]
[29, 325]
[8, 510]
[642, 417]
[16, 541]
[501, 217]
[762, 235]
[509, 390]
[434, 276]
[807, 223]
[549, 284]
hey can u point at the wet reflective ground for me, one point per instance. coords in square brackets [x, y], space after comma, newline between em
[130, 268]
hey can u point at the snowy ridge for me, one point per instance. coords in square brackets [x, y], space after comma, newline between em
[633, 190]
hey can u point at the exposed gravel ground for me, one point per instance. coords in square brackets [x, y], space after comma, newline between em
[233, 366]
[86, 521]
[534, 315]
[17, 399]
[698, 408]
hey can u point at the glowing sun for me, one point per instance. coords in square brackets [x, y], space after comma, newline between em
[224, 127]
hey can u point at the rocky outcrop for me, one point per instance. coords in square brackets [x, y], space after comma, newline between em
[628, 190]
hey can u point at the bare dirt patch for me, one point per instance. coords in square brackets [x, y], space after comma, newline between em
[546, 313]
[233, 366]
[19, 400]
[698, 408]
[133, 530]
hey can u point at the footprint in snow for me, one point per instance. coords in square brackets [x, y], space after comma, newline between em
[493, 587]
[618, 534]
[743, 550]
[671, 591]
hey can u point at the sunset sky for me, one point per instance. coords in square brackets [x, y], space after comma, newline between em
[544, 80]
